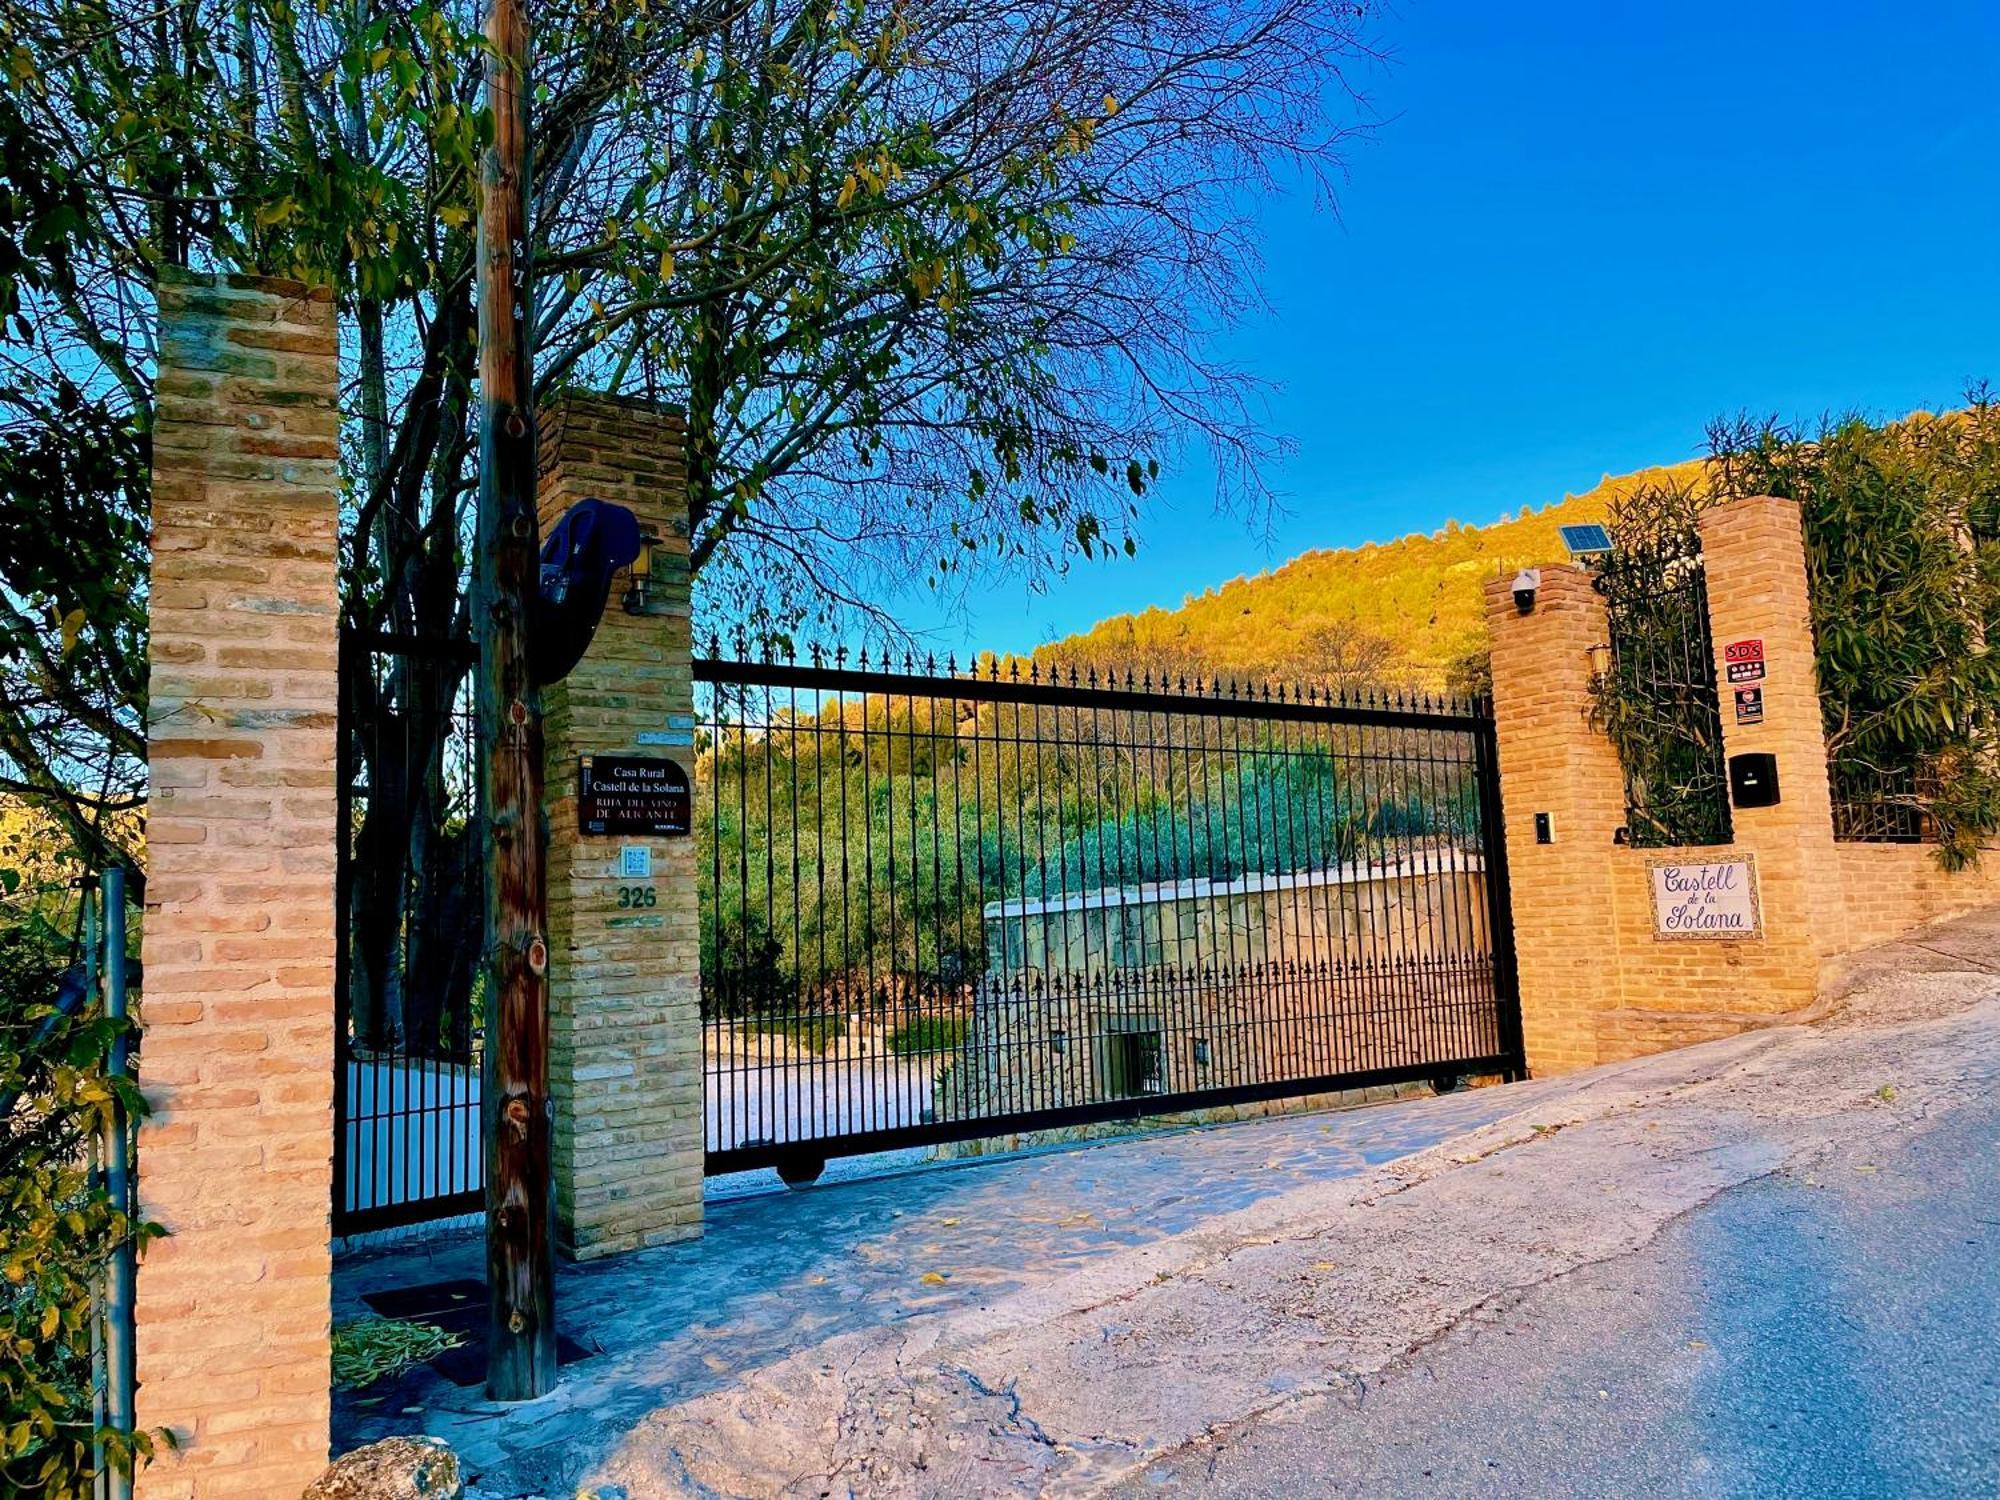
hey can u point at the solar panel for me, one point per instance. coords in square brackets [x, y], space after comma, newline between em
[1590, 540]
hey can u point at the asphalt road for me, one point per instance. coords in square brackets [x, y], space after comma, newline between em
[1820, 1333]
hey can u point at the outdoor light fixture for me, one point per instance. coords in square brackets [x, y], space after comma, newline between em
[639, 598]
[1201, 1051]
[1525, 583]
[1059, 1042]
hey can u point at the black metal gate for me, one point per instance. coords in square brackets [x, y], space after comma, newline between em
[408, 889]
[950, 906]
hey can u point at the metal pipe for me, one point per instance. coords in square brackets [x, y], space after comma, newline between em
[93, 944]
[121, 1274]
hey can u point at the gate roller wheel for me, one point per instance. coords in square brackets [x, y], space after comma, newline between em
[801, 1171]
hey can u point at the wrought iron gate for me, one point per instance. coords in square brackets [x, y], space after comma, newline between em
[960, 905]
[408, 890]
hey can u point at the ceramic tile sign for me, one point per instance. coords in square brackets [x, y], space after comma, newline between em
[1743, 661]
[1749, 704]
[632, 794]
[1711, 900]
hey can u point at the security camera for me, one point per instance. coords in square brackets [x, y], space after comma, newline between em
[1525, 584]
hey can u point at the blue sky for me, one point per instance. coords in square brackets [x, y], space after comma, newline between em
[1582, 230]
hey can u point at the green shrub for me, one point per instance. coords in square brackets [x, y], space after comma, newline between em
[1902, 538]
[57, 1226]
[813, 1033]
[928, 1034]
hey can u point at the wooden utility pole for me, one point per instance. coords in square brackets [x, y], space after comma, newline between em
[520, 1247]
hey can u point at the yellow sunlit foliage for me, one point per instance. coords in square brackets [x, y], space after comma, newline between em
[1419, 597]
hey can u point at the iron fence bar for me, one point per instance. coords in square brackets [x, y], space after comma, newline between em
[1499, 903]
[772, 1154]
[343, 876]
[1013, 690]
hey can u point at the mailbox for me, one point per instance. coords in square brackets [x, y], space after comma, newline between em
[1753, 780]
[593, 540]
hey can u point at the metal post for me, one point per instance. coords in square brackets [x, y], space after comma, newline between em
[1499, 898]
[93, 944]
[121, 1273]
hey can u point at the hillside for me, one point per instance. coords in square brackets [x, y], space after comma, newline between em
[1400, 611]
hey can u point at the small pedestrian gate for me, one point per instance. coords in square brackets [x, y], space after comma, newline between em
[948, 907]
[408, 888]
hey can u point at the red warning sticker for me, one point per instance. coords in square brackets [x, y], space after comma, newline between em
[1744, 660]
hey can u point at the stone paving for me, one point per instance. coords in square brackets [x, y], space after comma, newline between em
[779, 1272]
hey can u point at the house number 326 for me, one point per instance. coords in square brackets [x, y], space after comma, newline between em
[637, 895]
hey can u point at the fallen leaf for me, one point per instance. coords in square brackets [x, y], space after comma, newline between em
[1324, 1265]
[932, 1278]
[947, 1222]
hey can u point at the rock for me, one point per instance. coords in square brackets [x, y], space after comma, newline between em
[397, 1468]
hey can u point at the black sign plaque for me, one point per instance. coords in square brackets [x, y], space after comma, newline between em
[632, 794]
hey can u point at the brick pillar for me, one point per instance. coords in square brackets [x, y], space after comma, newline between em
[1552, 761]
[1753, 553]
[625, 982]
[237, 1062]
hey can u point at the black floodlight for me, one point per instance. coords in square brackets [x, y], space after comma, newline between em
[1588, 540]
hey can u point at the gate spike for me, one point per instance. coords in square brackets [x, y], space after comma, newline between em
[1034, 669]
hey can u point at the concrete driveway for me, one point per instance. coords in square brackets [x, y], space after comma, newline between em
[1825, 1331]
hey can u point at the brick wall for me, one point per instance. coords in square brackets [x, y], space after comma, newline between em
[238, 941]
[1891, 889]
[1553, 762]
[1597, 985]
[625, 984]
